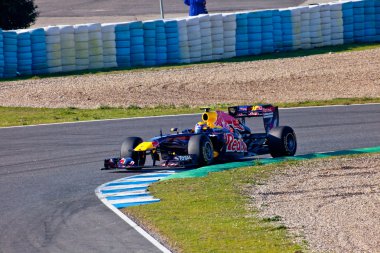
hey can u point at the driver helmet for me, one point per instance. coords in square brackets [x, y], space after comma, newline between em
[200, 127]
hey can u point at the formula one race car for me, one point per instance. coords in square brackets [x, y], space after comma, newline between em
[219, 137]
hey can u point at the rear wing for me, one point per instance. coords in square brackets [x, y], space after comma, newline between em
[269, 113]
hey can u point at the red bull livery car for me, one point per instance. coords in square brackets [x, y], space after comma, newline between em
[218, 137]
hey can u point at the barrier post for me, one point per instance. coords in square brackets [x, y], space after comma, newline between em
[162, 9]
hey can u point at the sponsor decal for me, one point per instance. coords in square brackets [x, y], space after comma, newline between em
[270, 109]
[124, 162]
[268, 115]
[184, 158]
[234, 145]
[254, 114]
[226, 121]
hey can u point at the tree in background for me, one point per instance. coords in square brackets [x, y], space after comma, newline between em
[17, 14]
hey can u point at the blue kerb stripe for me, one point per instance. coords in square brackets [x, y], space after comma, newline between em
[131, 183]
[124, 190]
[123, 205]
[128, 196]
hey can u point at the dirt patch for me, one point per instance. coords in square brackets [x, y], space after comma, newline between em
[318, 77]
[333, 204]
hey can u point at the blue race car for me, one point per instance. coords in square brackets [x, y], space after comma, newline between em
[218, 137]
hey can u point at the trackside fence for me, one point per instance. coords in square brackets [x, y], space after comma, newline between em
[67, 48]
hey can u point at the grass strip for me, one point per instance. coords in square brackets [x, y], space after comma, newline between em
[211, 214]
[215, 213]
[271, 56]
[22, 116]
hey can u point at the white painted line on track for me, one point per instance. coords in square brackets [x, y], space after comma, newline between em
[133, 224]
[324, 106]
[101, 120]
[177, 115]
[127, 197]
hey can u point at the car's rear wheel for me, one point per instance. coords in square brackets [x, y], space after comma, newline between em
[127, 150]
[282, 141]
[200, 147]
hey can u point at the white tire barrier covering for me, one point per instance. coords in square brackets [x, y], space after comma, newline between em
[82, 55]
[95, 46]
[109, 45]
[184, 53]
[217, 36]
[68, 57]
[229, 35]
[194, 36]
[53, 49]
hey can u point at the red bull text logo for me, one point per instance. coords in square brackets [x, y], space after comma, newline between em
[234, 145]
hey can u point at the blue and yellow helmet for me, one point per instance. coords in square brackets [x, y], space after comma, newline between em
[200, 127]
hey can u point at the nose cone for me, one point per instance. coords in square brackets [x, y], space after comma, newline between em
[144, 146]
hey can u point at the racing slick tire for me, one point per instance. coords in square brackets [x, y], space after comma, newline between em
[200, 146]
[282, 141]
[127, 150]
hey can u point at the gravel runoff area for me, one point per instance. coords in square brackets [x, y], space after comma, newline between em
[334, 204]
[318, 77]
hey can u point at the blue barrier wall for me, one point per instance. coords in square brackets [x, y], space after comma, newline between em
[202, 38]
[1, 54]
[10, 54]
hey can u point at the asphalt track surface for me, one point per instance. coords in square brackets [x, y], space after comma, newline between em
[48, 174]
[89, 8]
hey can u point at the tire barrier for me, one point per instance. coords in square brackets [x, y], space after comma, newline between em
[206, 40]
[172, 41]
[10, 54]
[109, 45]
[229, 35]
[183, 38]
[137, 44]
[67, 38]
[217, 38]
[194, 36]
[81, 38]
[95, 46]
[24, 52]
[53, 49]
[187, 40]
[1, 54]
[39, 52]
[150, 43]
[123, 45]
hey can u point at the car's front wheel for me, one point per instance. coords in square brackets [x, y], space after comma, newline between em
[127, 150]
[200, 147]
